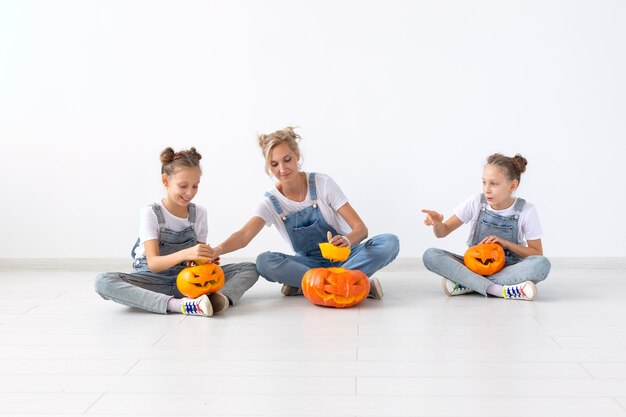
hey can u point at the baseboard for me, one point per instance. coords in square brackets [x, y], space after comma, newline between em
[399, 265]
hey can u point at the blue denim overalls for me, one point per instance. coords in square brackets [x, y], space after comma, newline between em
[306, 228]
[170, 241]
[505, 227]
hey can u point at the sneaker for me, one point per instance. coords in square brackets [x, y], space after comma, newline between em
[376, 289]
[288, 290]
[523, 291]
[219, 302]
[451, 288]
[197, 306]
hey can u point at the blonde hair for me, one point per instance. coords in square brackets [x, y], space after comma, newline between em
[173, 161]
[268, 142]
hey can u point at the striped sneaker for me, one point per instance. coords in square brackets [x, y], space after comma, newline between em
[523, 291]
[451, 288]
[197, 306]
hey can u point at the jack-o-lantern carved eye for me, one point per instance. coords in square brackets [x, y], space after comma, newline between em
[201, 279]
[335, 287]
[484, 259]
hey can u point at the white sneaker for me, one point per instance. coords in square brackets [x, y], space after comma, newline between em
[288, 290]
[452, 288]
[219, 302]
[376, 289]
[524, 291]
[197, 306]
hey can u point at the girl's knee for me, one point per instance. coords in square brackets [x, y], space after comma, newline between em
[430, 256]
[102, 283]
[542, 266]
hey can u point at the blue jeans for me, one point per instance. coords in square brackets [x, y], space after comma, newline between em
[151, 291]
[368, 257]
[451, 266]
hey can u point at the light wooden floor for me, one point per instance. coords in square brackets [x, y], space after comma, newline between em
[64, 351]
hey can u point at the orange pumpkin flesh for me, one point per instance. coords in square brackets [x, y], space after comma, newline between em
[335, 287]
[201, 279]
[484, 259]
[334, 253]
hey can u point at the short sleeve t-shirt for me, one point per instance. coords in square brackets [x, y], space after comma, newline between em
[529, 226]
[330, 198]
[149, 225]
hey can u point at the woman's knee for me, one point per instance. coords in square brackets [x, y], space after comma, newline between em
[267, 261]
[388, 243]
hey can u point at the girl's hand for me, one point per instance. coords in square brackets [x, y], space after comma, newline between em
[495, 239]
[432, 218]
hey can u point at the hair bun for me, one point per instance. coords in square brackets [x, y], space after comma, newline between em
[167, 156]
[520, 162]
[195, 153]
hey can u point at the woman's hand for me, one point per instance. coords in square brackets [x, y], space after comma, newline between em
[200, 252]
[340, 241]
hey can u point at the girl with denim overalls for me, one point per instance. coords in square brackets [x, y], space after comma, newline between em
[305, 208]
[496, 216]
[171, 236]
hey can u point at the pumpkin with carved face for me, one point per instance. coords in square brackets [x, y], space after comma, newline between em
[484, 259]
[335, 287]
[200, 279]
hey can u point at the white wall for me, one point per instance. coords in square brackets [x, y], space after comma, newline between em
[400, 101]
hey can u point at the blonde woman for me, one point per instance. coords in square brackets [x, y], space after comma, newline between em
[304, 207]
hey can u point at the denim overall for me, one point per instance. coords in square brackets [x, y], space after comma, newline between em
[306, 228]
[170, 241]
[505, 227]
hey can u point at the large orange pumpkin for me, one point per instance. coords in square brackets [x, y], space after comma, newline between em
[201, 279]
[484, 259]
[334, 253]
[335, 287]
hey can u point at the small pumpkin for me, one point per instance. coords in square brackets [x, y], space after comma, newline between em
[334, 253]
[335, 287]
[196, 280]
[484, 259]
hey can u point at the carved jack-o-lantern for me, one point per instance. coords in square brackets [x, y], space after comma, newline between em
[484, 259]
[335, 287]
[334, 253]
[201, 279]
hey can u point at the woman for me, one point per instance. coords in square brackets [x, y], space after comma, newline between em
[304, 208]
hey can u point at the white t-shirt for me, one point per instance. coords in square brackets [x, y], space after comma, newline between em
[529, 226]
[149, 225]
[330, 198]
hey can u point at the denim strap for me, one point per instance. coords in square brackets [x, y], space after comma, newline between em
[276, 205]
[312, 188]
[159, 214]
[192, 214]
[519, 206]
